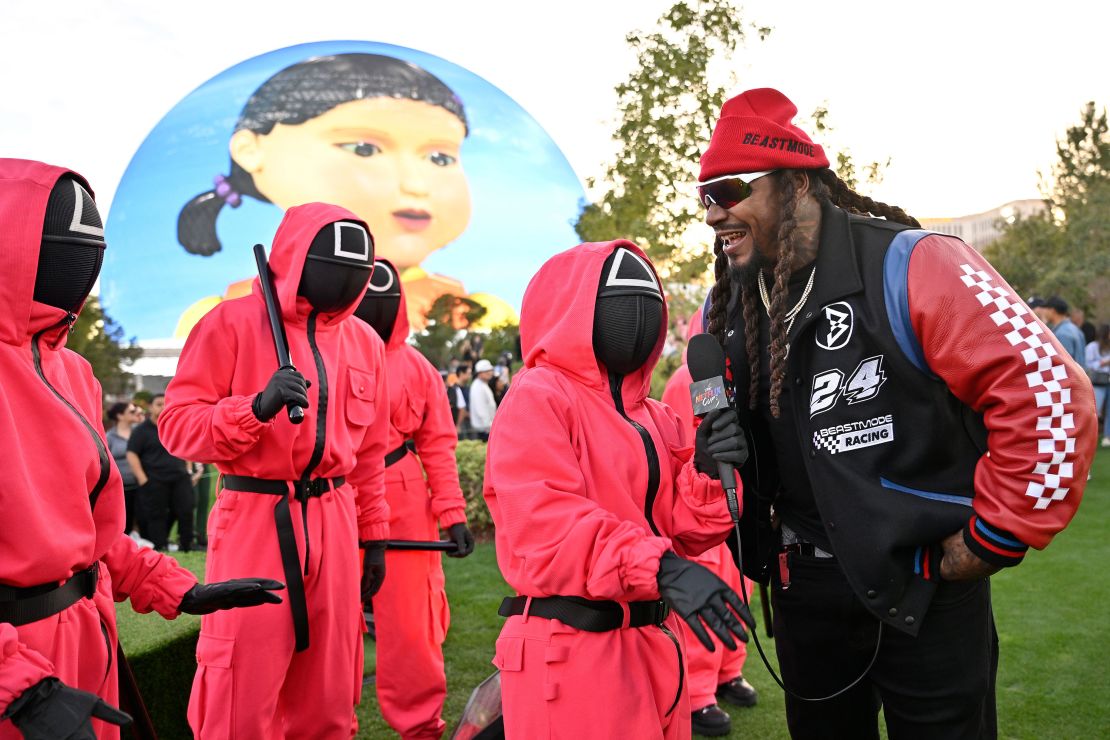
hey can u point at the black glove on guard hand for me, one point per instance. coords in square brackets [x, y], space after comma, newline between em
[50, 710]
[373, 568]
[719, 439]
[698, 595]
[285, 386]
[462, 537]
[205, 599]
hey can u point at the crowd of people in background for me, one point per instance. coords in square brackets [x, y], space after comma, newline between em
[1087, 345]
[160, 490]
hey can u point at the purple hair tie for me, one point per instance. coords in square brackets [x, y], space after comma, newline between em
[225, 191]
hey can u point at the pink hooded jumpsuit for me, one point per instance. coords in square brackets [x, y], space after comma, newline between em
[61, 493]
[567, 482]
[410, 611]
[706, 670]
[252, 682]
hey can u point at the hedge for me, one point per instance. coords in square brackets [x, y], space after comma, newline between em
[471, 457]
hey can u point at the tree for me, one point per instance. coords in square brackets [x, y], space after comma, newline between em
[98, 338]
[1066, 250]
[501, 339]
[667, 108]
[447, 322]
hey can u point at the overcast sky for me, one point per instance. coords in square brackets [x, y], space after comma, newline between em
[966, 97]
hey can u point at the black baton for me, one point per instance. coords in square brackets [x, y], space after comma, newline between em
[441, 545]
[277, 328]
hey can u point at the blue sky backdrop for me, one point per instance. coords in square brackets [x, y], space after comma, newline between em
[525, 194]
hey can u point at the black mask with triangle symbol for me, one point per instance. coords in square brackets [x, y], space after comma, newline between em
[72, 249]
[628, 318]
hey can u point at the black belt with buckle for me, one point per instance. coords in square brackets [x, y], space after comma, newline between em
[586, 614]
[24, 605]
[807, 549]
[791, 542]
[303, 490]
[395, 457]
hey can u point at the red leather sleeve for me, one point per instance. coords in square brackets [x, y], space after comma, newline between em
[995, 356]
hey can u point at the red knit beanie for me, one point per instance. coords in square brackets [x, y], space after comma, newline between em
[755, 133]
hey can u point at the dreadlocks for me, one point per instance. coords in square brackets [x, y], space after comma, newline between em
[825, 186]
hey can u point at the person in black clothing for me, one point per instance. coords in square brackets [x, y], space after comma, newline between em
[913, 428]
[165, 482]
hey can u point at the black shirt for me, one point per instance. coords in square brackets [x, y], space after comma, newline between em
[795, 504]
[157, 463]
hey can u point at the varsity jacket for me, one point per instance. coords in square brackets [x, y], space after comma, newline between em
[927, 399]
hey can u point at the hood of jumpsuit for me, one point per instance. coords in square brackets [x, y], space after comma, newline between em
[24, 191]
[51, 532]
[557, 320]
[287, 257]
[401, 326]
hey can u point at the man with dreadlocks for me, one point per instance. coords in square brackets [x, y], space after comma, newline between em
[914, 429]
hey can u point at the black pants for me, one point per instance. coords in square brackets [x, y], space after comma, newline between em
[157, 498]
[939, 684]
[130, 520]
[202, 511]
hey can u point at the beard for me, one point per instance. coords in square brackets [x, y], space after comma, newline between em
[746, 273]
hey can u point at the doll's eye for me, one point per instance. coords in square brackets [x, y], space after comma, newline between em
[361, 149]
[439, 159]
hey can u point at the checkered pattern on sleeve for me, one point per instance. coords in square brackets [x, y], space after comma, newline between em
[1055, 427]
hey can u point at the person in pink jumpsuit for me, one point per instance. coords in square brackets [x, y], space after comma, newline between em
[297, 500]
[597, 501]
[422, 488]
[63, 557]
[712, 675]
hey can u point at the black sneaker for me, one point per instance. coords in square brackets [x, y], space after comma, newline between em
[711, 721]
[738, 692]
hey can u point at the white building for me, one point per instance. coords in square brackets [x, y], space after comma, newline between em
[980, 229]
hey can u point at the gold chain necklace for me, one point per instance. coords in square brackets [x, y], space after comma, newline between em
[792, 313]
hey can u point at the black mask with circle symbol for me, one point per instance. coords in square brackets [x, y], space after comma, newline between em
[72, 248]
[382, 301]
[629, 314]
[338, 266]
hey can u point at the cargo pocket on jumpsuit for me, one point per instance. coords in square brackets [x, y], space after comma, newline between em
[214, 688]
[437, 602]
[360, 396]
[221, 517]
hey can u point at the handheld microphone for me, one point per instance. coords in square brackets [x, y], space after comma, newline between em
[706, 361]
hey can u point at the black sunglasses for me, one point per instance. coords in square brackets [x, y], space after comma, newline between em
[728, 190]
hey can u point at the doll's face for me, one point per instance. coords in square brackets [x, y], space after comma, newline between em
[393, 163]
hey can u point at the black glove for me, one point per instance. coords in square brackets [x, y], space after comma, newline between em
[50, 710]
[697, 594]
[463, 538]
[207, 598]
[719, 439]
[373, 568]
[286, 386]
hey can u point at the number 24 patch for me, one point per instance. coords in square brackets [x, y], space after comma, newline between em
[862, 385]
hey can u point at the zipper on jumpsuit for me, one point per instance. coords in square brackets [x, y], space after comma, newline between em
[102, 452]
[321, 428]
[652, 454]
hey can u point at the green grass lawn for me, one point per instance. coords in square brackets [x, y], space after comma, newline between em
[1052, 683]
